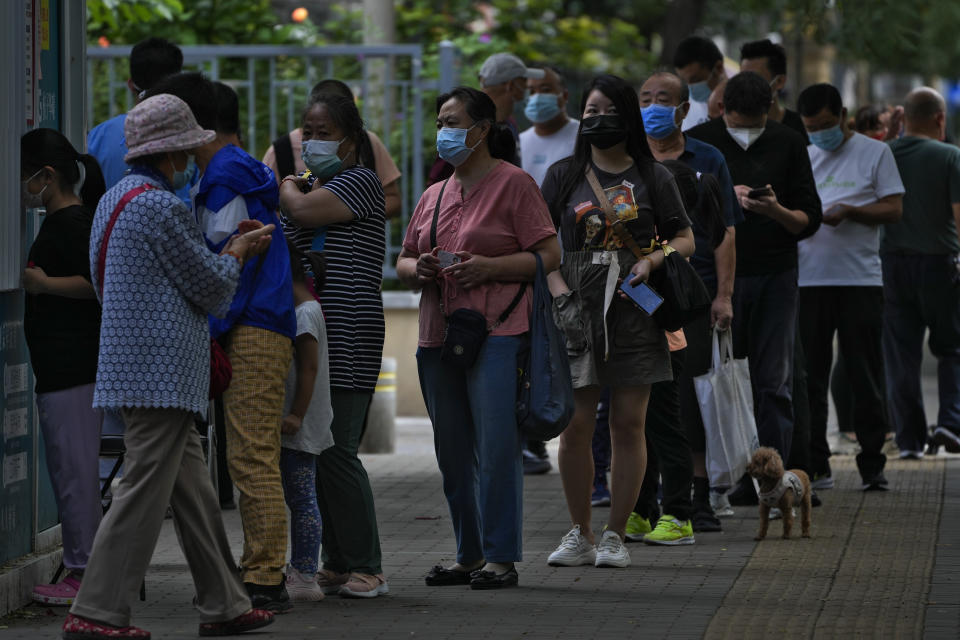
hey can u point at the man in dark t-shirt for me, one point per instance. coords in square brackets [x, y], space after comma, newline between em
[769, 61]
[774, 183]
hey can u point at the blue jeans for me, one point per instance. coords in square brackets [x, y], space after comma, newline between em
[919, 292]
[478, 446]
[764, 331]
[298, 471]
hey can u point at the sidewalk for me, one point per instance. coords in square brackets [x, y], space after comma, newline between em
[878, 565]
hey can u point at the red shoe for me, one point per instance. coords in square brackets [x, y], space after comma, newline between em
[253, 619]
[77, 628]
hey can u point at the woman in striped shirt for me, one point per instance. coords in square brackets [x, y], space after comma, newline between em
[346, 204]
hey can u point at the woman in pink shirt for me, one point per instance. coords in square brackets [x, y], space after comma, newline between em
[489, 217]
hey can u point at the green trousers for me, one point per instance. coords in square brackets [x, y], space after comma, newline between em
[351, 542]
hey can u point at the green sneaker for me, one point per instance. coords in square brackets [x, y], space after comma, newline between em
[670, 531]
[637, 527]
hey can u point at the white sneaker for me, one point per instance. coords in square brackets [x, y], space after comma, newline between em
[303, 587]
[720, 504]
[611, 552]
[574, 550]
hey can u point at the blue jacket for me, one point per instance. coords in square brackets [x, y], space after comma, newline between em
[235, 186]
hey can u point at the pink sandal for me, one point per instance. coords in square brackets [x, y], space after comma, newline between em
[253, 619]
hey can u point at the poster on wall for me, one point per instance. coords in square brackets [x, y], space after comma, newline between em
[31, 59]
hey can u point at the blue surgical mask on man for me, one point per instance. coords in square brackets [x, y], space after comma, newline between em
[452, 144]
[542, 107]
[700, 91]
[659, 121]
[182, 178]
[827, 139]
[320, 157]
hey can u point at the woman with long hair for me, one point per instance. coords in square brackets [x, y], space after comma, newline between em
[611, 342]
[470, 245]
[344, 207]
[62, 326]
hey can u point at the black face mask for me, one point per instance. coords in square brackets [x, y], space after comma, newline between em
[603, 131]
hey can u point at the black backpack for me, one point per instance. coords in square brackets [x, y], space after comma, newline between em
[702, 199]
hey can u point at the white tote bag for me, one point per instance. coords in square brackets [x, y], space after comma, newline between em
[726, 405]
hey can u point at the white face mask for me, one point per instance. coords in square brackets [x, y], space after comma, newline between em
[745, 137]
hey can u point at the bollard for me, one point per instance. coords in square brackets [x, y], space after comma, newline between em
[381, 433]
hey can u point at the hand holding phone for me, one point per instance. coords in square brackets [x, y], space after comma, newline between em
[447, 259]
[760, 192]
[643, 295]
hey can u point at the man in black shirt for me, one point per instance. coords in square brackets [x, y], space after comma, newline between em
[769, 61]
[763, 154]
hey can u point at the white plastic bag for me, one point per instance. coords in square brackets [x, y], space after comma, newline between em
[726, 405]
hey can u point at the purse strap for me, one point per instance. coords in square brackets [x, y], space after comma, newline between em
[433, 244]
[124, 201]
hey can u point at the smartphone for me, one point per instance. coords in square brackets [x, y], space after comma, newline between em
[447, 259]
[760, 192]
[643, 295]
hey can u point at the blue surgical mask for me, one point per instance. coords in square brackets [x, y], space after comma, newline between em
[700, 91]
[452, 145]
[542, 107]
[183, 178]
[659, 121]
[827, 139]
[320, 156]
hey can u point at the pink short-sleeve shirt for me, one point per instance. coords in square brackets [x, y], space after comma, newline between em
[502, 214]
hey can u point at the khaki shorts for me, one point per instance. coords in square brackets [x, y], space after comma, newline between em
[633, 350]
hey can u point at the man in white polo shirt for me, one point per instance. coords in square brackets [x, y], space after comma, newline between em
[841, 285]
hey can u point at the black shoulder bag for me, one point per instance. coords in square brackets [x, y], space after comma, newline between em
[466, 329]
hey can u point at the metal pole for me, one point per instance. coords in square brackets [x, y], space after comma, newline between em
[447, 62]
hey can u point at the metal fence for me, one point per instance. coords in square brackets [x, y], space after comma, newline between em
[273, 83]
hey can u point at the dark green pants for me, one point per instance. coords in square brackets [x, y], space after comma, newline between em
[350, 538]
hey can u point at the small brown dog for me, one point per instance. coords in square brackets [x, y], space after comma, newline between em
[782, 489]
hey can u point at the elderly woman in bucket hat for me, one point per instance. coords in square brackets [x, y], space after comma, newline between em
[157, 281]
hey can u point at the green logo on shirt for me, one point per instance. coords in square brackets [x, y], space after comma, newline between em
[833, 183]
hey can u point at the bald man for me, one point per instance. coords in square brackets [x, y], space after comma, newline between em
[921, 280]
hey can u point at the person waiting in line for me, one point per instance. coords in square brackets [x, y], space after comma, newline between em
[770, 169]
[551, 138]
[503, 77]
[257, 335]
[491, 215]
[307, 415]
[151, 61]
[347, 200]
[285, 155]
[769, 61]
[610, 341]
[921, 277]
[700, 63]
[61, 323]
[840, 279]
[663, 102]
[156, 281]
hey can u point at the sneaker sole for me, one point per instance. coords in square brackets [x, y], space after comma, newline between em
[602, 502]
[670, 543]
[580, 561]
[826, 483]
[53, 601]
[947, 440]
[306, 596]
[612, 564]
[634, 537]
[382, 590]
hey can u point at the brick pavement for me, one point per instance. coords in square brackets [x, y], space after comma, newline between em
[874, 568]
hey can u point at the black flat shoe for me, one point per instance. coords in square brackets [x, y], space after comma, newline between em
[441, 577]
[491, 580]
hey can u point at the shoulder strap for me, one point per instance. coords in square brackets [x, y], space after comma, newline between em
[513, 305]
[124, 201]
[436, 216]
[283, 150]
[612, 219]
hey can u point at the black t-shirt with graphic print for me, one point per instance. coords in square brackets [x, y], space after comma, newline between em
[582, 223]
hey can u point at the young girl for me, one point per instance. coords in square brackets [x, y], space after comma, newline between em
[306, 426]
[62, 327]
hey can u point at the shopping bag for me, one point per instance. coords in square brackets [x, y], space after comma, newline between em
[726, 405]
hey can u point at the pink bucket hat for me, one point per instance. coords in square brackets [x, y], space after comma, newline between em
[162, 123]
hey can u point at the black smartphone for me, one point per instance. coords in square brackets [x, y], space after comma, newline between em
[643, 295]
[760, 192]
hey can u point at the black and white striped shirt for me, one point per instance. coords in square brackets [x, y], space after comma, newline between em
[351, 297]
